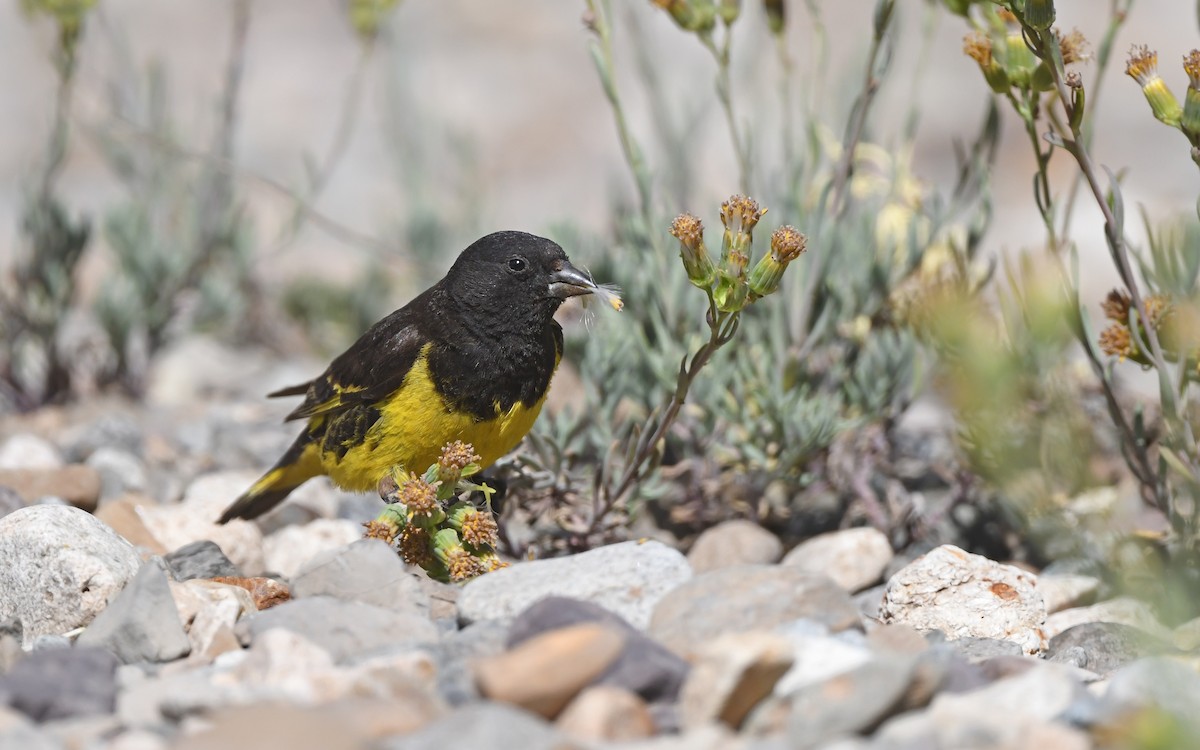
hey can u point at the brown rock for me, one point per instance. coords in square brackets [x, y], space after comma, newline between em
[77, 484]
[607, 713]
[293, 727]
[266, 592]
[734, 543]
[544, 673]
[122, 516]
[732, 675]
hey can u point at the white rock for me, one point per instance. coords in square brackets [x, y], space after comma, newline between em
[208, 610]
[61, 567]
[287, 550]
[1123, 610]
[734, 542]
[964, 595]
[28, 451]
[627, 578]
[1063, 590]
[816, 659]
[194, 519]
[854, 558]
[731, 674]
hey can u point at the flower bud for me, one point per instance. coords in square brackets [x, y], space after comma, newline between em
[690, 233]
[978, 47]
[1142, 67]
[1190, 121]
[786, 245]
[1039, 14]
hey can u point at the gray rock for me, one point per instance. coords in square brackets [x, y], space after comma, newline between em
[496, 726]
[62, 683]
[628, 579]
[978, 649]
[745, 597]
[118, 431]
[645, 666]
[1124, 610]
[367, 571]
[120, 472]
[817, 657]
[10, 500]
[50, 642]
[854, 558]
[1104, 646]
[61, 567]
[458, 650]
[737, 542]
[142, 622]
[202, 559]
[345, 629]
[289, 549]
[870, 601]
[17, 733]
[1162, 683]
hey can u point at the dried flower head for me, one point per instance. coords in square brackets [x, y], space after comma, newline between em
[1191, 66]
[1074, 80]
[479, 530]
[492, 563]
[457, 456]
[1116, 306]
[377, 529]
[978, 47]
[740, 214]
[1116, 342]
[1008, 17]
[787, 244]
[462, 565]
[690, 232]
[1142, 66]
[416, 546]
[1158, 308]
[419, 496]
[1074, 47]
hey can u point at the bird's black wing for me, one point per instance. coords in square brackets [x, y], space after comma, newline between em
[369, 370]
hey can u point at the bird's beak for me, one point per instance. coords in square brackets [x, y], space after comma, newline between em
[569, 281]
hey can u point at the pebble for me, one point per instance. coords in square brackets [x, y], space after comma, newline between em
[142, 623]
[747, 597]
[367, 571]
[1102, 647]
[1161, 683]
[963, 595]
[265, 592]
[1065, 590]
[731, 675]
[627, 578]
[194, 519]
[345, 629]
[10, 501]
[286, 551]
[209, 611]
[25, 450]
[545, 672]
[854, 558]
[604, 713]
[119, 470]
[495, 726]
[74, 484]
[62, 566]
[62, 683]
[122, 516]
[1123, 610]
[737, 542]
[202, 559]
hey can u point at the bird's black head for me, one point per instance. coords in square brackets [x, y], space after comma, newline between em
[515, 274]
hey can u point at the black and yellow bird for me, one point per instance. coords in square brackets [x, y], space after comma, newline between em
[469, 359]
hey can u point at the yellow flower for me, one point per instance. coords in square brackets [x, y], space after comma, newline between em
[1142, 67]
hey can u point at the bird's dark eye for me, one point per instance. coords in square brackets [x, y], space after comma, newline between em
[516, 264]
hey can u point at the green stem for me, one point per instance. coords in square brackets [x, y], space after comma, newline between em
[724, 84]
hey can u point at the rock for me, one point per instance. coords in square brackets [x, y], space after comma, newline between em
[495, 726]
[1186, 637]
[61, 683]
[202, 559]
[738, 542]
[1103, 646]
[345, 629]
[979, 649]
[120, 472]
[745, 597]
[456, 653]
[82, 731]
[869, 601]
[209, 611]
[545, 672]
[1064, 590]
[291, 726]
[1158, 683]
[265, 592]
[75, 484]
[854, 558]
[10, 650]
[645, 666]
[62, 566]
[603, 713]
[964, 595]
[10, 501]
[849, 703]
[194, 520]
[367, 571]
[122, 516]
[25, 450]
[117, 430]
[1123, 610]
[287, 550]
[141, 623]
[138, 739]
[635, 576]
[17, 733]
[731, 675]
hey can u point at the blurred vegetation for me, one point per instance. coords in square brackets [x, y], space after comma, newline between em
[696, 406]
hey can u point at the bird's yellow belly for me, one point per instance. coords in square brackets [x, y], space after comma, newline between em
[414, 425]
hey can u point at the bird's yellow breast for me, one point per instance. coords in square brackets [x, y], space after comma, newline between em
[414, 423]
